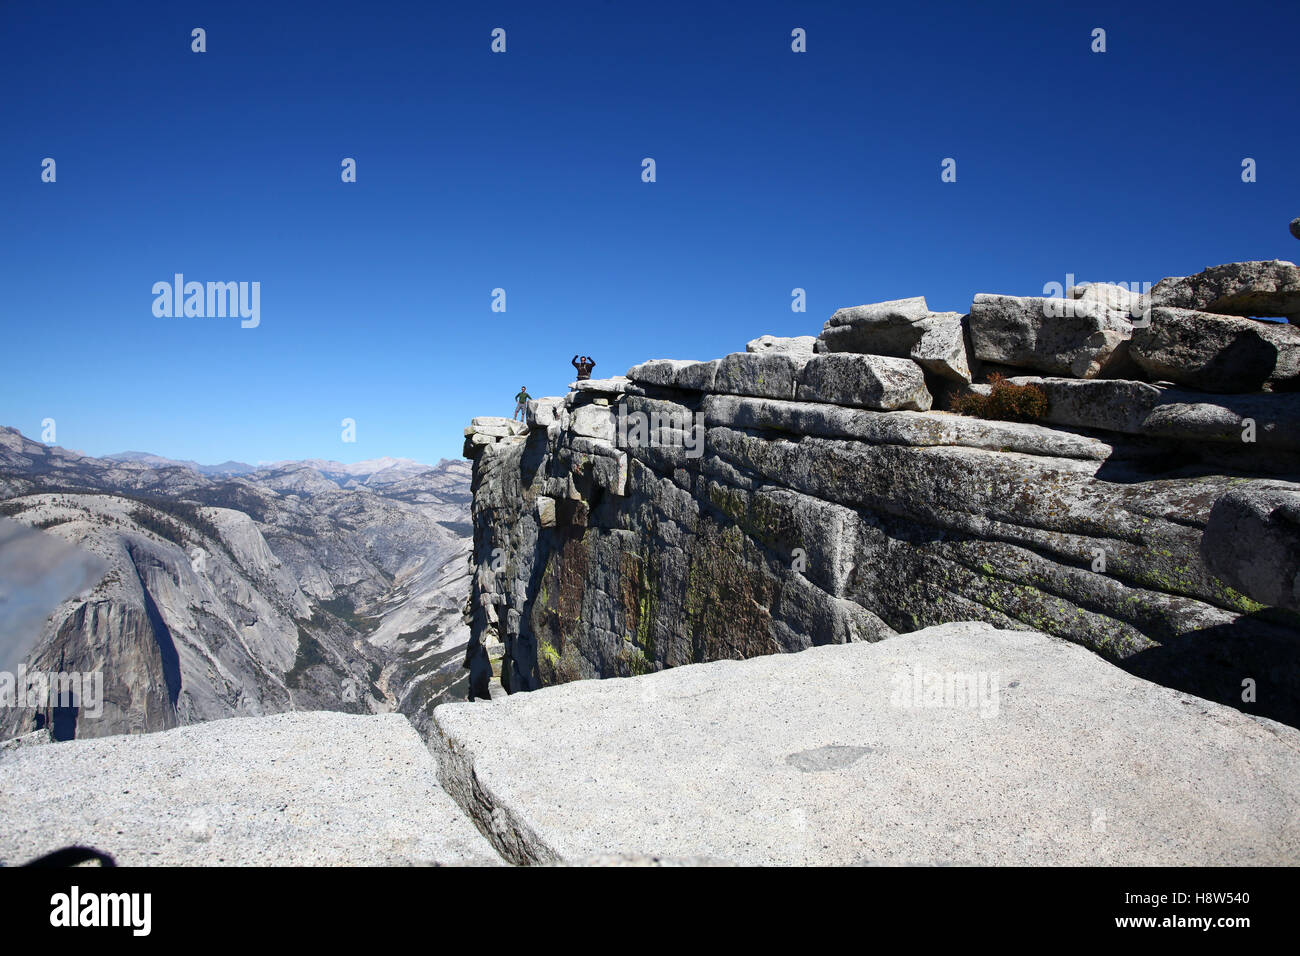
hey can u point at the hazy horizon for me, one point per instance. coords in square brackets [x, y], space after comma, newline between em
[239, 461]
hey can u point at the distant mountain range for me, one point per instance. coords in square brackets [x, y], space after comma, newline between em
[157, 461]
[375, 471]
[211, 591]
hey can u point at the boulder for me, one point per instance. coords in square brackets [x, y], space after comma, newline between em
[941, 349]
[675, 373]
[1109, 295]
[610, 473]
[595, 391]
[763, 374]
[544, 411]
[614, 385]
[1059, 336]
[904, 328]
[1268, 288]
[593, 421]
[1295, 227]
[799, 344]
[1116, 405]
[864, 381]
[1107, 356]
[546, 511]
[698, 376]
[958, 744]
[879, 315]
[490, 424]
[1216, 353]
[1252, 542]
[489, 430]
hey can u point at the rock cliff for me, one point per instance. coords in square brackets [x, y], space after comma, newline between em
[813, 491]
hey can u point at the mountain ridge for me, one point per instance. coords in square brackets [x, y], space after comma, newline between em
[225, 595]
[389, 467]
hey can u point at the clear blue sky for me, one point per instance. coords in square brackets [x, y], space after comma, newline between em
[522, 170]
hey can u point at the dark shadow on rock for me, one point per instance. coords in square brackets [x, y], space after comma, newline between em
[64, 724]
[1214, 663]
[536, 449]
[1138, 459]
[1247, 363]
[170, 659]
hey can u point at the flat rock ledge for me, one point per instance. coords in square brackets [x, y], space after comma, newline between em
[847, 754]
[304, 788]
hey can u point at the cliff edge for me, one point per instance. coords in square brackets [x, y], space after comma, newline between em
[814, 490]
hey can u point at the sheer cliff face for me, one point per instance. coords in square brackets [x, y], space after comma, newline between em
[792, 496]
[217, 597]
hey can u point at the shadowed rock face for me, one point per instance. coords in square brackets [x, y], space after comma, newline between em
[1252, 541]
[817, 509]
[1217, 353]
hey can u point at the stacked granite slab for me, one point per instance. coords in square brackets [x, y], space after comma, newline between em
[901, 329]
[1203, 332]
[1193, 358]
[489, 430]
[861, 381]
[829, 497]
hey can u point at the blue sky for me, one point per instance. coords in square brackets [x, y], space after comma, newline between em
[522, 171]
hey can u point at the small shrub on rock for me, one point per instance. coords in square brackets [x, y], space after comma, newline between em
[1005, 402]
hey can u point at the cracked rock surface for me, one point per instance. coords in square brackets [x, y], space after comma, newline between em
[957, 744]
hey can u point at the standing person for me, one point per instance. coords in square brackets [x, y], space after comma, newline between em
[521, 403]
[584, 364]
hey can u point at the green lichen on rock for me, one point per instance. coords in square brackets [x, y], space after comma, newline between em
[727, 597]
